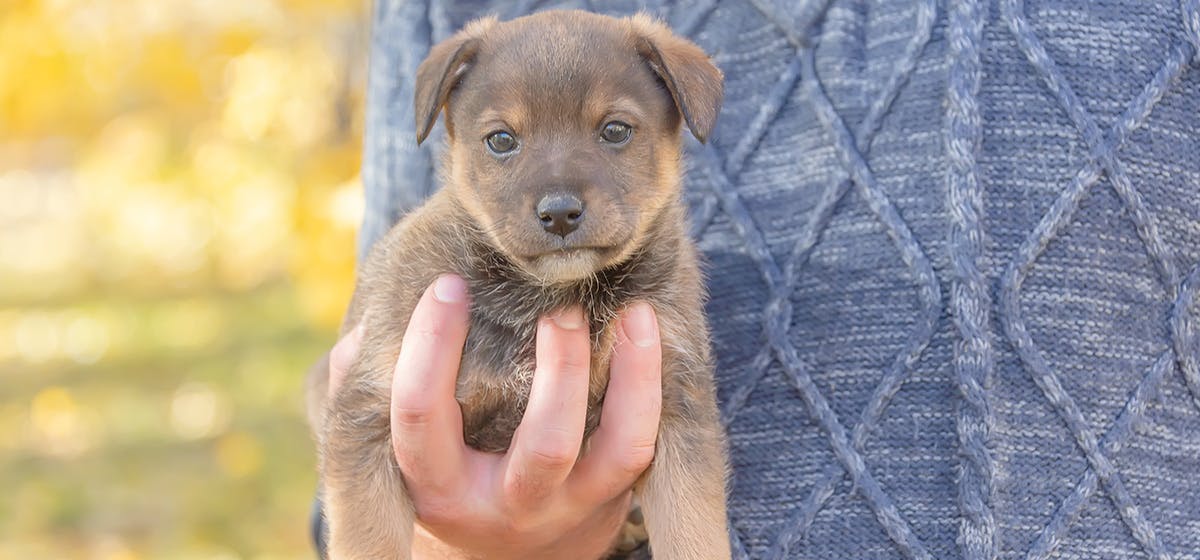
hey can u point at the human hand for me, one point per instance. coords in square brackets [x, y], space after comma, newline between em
[536, 500]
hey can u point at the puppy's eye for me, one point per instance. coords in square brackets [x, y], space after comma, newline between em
[616, 132]
[501, 142]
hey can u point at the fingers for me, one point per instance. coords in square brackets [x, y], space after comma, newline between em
[426, 420]
[546, 444]
[623, 445]
[341, 358]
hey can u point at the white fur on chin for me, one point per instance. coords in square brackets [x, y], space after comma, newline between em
[566, 266]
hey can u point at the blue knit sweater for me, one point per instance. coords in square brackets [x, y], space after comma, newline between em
[952, 251]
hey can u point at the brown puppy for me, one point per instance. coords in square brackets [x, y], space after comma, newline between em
[562, 187]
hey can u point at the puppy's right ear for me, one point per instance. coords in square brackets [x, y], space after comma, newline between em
[441, 71]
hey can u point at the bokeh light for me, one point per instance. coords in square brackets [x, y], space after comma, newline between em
[180, 200]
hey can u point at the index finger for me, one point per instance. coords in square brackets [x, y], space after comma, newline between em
[425, 417]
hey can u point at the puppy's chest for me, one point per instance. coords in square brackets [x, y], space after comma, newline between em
[496, 375]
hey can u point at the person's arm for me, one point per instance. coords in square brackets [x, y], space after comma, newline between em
[536, 500]
[397, 174]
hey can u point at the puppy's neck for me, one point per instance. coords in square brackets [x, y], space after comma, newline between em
[504, 293]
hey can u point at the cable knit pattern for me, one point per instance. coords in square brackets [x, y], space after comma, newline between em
[953, 252]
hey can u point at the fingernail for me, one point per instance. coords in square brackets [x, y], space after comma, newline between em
[449, 289]
[640, 325]
[569, 319]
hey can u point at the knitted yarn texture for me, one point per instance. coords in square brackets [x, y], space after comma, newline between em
[953, 252]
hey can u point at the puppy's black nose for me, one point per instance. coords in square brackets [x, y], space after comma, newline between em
[560, 214]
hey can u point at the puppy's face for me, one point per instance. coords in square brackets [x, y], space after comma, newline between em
[564, 132]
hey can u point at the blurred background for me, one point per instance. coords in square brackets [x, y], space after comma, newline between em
[179, 197]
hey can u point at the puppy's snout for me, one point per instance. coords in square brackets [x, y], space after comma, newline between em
[560, 214]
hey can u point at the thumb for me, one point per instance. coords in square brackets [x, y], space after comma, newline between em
[341, 358]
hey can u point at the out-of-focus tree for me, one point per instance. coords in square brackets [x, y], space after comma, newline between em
[179, 196]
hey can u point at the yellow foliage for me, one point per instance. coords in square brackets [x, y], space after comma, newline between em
[181, 197]
[239, 454]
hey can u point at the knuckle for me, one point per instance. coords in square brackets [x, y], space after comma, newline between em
[437, 512]
[523, 491]
[518, 524]
[553, 453]
[552, 459]
[411, 415]
[637, 458]
[568, 363]
[519, 491]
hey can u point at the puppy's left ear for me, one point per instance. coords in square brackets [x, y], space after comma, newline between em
[442, 70]
[695, 83]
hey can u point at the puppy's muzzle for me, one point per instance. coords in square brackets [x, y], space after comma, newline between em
[560, 213]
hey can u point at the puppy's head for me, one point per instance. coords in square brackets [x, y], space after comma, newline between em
[564, 131]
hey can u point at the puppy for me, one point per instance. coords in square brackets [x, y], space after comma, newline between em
[561, 187]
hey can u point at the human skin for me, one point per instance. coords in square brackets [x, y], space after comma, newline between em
[542, 498]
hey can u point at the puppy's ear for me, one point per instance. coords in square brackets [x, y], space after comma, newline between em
[695, 83]
[441, 71]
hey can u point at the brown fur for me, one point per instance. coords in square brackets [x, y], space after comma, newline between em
[552, 80]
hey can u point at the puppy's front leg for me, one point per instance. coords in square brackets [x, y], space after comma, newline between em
[370, 515]
[683, 495]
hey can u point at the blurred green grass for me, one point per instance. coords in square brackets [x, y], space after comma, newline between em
[176, 246]
[167, 450]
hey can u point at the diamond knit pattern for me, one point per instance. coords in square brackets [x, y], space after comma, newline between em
[953, 251]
